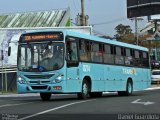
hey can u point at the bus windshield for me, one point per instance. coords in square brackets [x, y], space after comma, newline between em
[40, 57]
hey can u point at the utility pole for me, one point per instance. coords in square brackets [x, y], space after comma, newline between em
[82, 19]
[2, 68]
[83, 23]
[136, 30]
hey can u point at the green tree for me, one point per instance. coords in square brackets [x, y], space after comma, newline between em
[123, 29]
[124, 34]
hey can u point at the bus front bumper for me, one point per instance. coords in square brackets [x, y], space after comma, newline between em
[24, 88]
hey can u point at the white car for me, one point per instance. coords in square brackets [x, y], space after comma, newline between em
[155, 76]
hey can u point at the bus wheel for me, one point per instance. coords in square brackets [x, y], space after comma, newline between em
[45, 96]
[95, 94]
[129, 89]
[85, 90]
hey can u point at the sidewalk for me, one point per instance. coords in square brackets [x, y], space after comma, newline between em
[154, 87]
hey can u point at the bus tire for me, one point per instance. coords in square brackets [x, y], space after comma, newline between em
[129, 89]
[85, 90]
[95, 94]
[45, 96]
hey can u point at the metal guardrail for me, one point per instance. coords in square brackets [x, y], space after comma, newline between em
[5, 73]
[8, 69]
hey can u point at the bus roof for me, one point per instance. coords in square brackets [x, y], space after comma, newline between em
[92, 37]
[104, 40]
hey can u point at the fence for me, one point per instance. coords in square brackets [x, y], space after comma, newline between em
[8, 77]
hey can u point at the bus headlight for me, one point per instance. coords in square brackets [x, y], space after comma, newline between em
[58, 79]
[21, 80]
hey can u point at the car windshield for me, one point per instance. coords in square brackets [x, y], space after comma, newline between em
[156, 73]
[40, 57]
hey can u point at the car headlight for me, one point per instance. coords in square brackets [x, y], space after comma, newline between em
[21, 80]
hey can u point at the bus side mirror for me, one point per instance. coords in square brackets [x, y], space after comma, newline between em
[9, 51]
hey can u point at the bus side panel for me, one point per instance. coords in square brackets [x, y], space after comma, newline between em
[94, 73]
[142, 79]
[73, 81]
[97, 74]
[114, 79]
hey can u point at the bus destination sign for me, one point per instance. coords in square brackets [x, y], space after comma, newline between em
[42, 37]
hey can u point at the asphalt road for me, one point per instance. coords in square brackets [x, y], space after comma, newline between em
[141, 105]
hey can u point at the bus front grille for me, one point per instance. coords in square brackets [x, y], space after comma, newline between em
[37, 82]
[39, 76]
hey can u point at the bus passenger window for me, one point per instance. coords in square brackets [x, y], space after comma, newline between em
[128, 57]
[96, 52]
[108, 54]
[119, 59]
[145, 60]
[84, 50]
[137, 58]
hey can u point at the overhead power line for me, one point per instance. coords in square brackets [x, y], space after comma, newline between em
[75, 5]
[109, 22]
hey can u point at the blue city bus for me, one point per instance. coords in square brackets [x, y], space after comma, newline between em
[65, 61]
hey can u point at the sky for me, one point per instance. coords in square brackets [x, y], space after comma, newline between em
[110, 12]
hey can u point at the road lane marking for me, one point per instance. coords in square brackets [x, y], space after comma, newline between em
[143, 103]
[56, 108]
[10, 105]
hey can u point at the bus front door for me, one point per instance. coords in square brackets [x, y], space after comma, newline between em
[73, 83]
